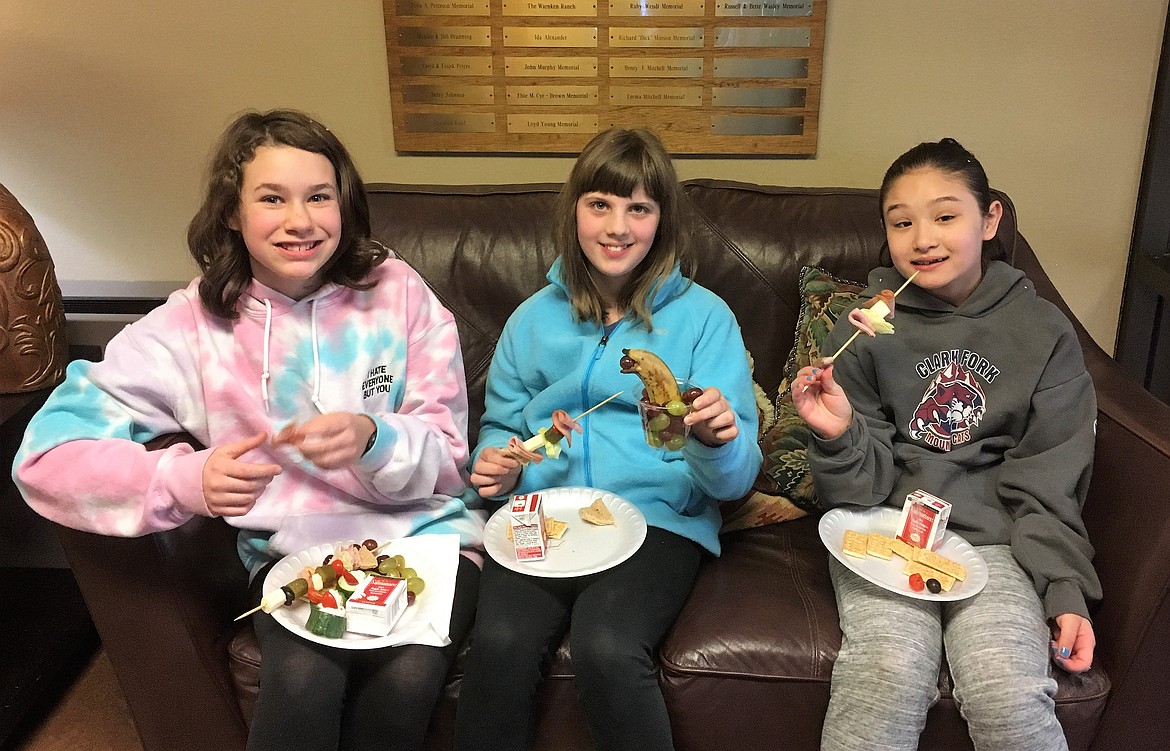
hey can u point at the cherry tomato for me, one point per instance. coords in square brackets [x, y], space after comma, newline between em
[343, 572]
[916, 582]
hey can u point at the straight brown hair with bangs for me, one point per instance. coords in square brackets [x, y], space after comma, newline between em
[617, 161]
[220, 251]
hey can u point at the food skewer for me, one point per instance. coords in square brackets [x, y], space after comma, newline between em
[827, 361]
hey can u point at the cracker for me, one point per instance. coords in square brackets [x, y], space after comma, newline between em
[942, 563]
[596, 513]
[916, 567]
[855, 543]
[879, 545]
[902, 549]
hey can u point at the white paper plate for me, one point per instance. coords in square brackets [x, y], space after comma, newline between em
[888, 574]
[585, 548]
[432, 556]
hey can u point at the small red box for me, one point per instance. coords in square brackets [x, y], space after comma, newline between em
[527, 519]
[924, 519]
[375, 606]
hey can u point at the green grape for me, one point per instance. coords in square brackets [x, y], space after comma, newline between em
[415, 585]
[658, 422]
[676, 442]
[676, 408]
[653, 440]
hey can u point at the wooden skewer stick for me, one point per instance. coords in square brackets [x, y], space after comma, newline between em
[595, 406]
[825, 362]
[242, 616]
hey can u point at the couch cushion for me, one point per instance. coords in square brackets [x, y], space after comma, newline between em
[784, 489]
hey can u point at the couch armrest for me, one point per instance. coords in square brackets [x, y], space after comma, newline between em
[163, 605]
[1128, 519]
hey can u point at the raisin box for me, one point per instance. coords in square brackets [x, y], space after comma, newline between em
[924, 519]
[375, 606]
[527, 520]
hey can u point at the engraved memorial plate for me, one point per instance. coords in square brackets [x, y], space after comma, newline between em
[756, 125]
[768, 67]
[743, 36]
[577, 8]
[425, 94]
[552, 95]
[762, 8]
[445, 36]
[565, 67]
[443, 7]
[728, 96]
[655, 67]
[552, 123]
[659, 96]
[656, 7]
[465, 122]
[447, 66]
[646, 37]
[550, 36]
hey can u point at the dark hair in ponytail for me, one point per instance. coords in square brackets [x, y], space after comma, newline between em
[947, 155]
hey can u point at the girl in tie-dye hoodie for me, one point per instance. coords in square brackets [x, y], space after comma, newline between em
[326, 382]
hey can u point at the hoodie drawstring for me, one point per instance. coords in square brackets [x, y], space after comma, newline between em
[266, 373]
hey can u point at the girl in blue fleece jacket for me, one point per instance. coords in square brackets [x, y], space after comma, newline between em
[618, 284]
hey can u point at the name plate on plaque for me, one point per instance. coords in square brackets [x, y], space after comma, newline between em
[646, 37]
[424, 94]
[466, 122]
[447, 66]
[550, 8]
[445, 36]
[762, 8]
[728, 96]
[743, 36]
[656, 67]
[769, 67]
[550, 36]
[552, 95]
[552, 123]
[757, 125]
[656, 7]
[550, 66]
[665, 96]
[443, 7]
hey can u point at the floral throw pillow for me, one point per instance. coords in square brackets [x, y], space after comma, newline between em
[784, 489]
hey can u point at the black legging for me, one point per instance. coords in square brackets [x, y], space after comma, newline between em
[315, 697]
[618, 618]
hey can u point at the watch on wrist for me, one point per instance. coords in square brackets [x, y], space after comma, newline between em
[370, 443]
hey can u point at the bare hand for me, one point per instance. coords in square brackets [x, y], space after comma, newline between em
[1073, 643]
[821, 402]
[495, 472]
[231, 485]
[711, 418]
[330, 441]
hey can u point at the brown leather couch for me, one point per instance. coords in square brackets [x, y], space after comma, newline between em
[747, 664]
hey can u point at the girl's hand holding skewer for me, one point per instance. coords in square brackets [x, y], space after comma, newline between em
[331, 441]
[821, 402]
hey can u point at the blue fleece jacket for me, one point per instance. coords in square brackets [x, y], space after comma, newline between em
[547, 360]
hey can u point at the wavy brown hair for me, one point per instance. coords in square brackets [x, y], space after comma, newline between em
[220, 250]
[618, 161]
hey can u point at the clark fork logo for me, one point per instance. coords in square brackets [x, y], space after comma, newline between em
[954, 403]
[377, 382]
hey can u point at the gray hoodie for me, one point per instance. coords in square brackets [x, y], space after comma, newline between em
[988, 406]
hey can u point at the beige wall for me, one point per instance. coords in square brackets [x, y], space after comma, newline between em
[108, 109]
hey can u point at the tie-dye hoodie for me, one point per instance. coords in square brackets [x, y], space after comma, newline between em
[390, 352]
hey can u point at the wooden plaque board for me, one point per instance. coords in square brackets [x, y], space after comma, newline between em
[719, 77]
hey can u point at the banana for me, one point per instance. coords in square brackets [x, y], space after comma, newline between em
[661, 386]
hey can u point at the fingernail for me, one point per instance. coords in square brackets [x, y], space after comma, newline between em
[816, 370]
[1065, 651]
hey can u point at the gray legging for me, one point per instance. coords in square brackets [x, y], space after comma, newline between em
[997, 646]
[617, 619]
